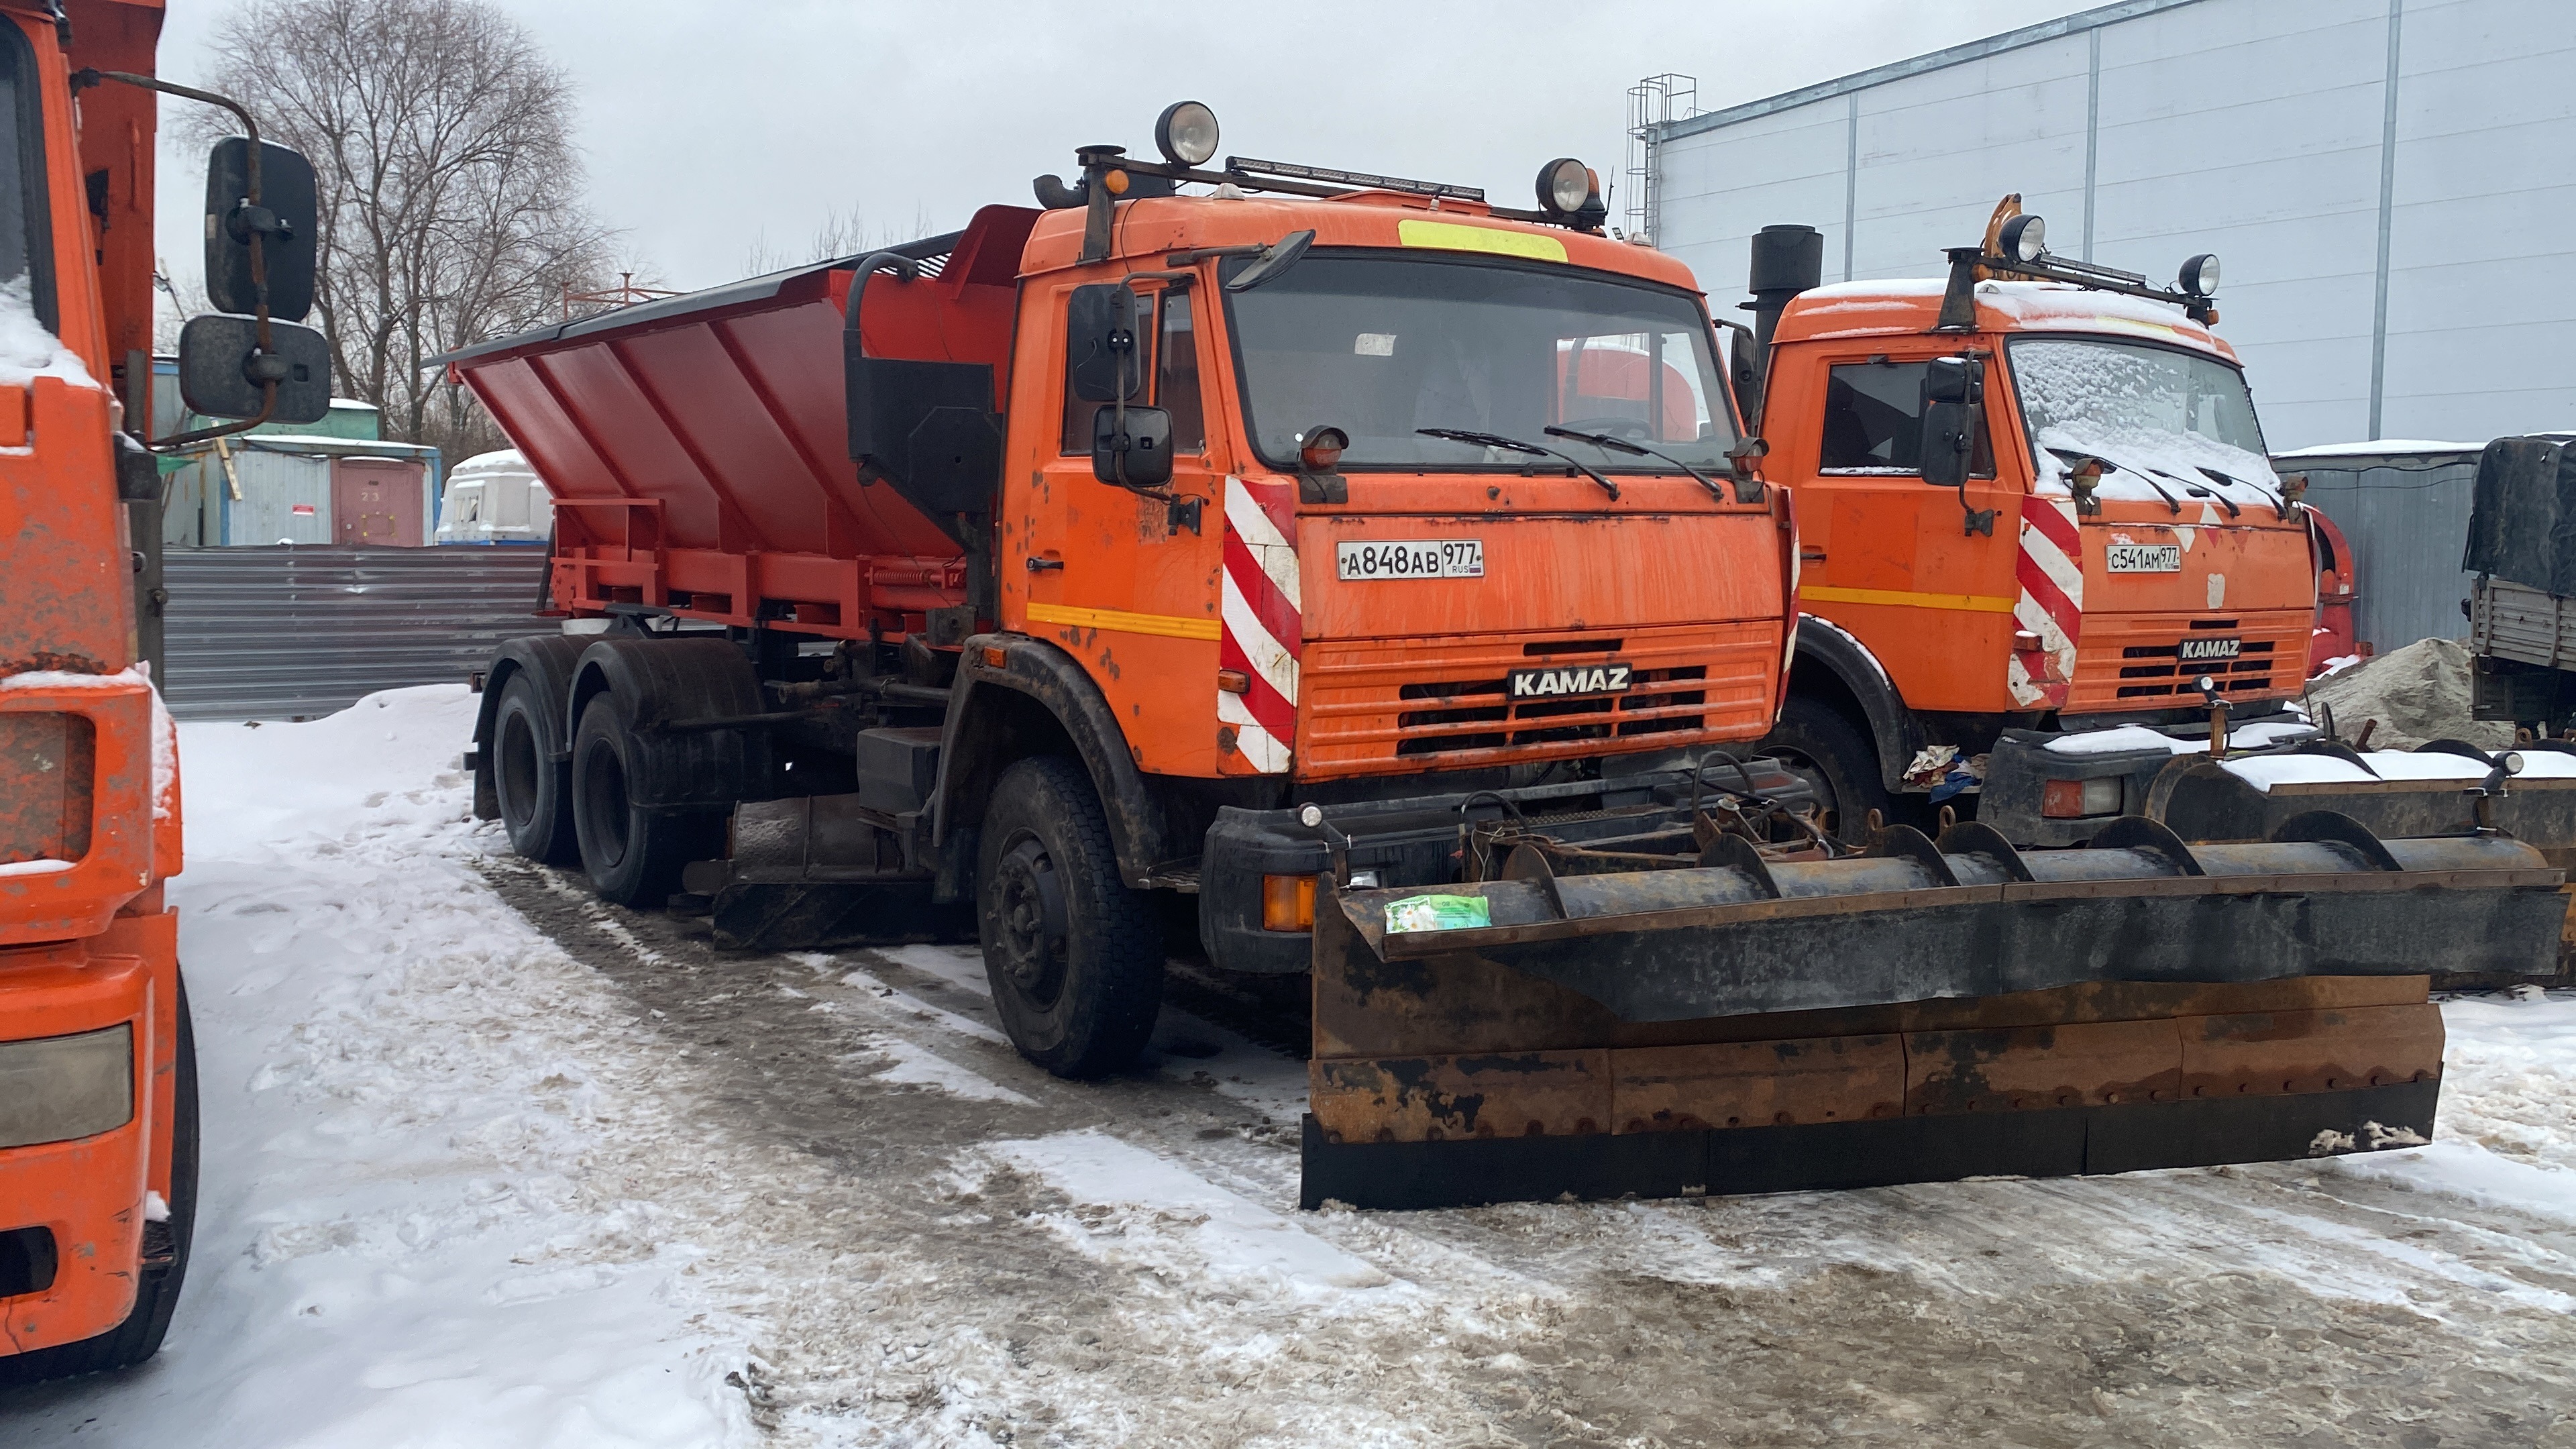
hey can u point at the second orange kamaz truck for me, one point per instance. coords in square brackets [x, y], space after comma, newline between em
[2104, 532]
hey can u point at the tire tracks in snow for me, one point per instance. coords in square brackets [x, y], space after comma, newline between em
[924, 1284]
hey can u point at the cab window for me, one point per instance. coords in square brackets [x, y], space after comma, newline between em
[1873, 421]
[26, 253]
[1176, 386]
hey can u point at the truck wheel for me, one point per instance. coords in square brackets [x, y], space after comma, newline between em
[1821, 746]
[633, 856]
[157, 1295]
[1075, 957]
[533, 791]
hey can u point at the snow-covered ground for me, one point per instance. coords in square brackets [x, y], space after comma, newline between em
[489, 1164]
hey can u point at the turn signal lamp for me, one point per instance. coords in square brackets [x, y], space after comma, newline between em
[2025, 238]
[2075, 799]
[1186, 133]
[1565, 186]
[2200, 275]
[1287, 903]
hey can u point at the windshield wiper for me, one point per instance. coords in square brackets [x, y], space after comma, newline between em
[1515, 445]
[2280, 506]
[1616, 444]
[2073, 456]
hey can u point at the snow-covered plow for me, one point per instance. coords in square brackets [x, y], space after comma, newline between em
[1715, 1011]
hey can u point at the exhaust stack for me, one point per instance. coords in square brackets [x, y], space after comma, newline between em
[1787, 259]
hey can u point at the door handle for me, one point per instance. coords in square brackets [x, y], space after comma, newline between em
[1041, 565]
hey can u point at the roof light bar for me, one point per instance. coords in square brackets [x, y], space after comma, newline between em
[1247, 166]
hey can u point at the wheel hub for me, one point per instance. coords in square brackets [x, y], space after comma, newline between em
[1030, 899]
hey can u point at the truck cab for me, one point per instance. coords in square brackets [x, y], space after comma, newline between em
[2115, 548]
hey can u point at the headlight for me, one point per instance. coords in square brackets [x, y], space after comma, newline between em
[1186, 133]
[61, 1087]
[1564, 185]
[2025, 238]
[2200, 275]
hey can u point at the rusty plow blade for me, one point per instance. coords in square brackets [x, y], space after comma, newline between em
[2202, 801]
[1920, 1012]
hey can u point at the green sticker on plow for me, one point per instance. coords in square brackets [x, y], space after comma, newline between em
[1438, 913]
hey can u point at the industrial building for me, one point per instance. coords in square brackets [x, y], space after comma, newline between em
[2391, 185]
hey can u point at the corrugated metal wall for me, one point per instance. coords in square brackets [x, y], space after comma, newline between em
[2386, 181]
[2407, 519]
[281, 633]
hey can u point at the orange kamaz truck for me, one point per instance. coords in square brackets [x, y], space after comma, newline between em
[1370, 580]
[98, 1098]
[2035, 503]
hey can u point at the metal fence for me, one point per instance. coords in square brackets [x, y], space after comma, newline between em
[287, 633]
[2406, 515]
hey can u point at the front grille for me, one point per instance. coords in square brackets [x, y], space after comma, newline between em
[1643, 710]
[2133, 661]
[1392, 705]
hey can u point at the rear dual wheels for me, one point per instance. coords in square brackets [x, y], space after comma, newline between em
[1075, 957]
[633, 855]
[533, 789]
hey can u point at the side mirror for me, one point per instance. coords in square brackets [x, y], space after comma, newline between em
[1145, 447]
[1281, 255]
[1953, 410]
[222, 370]
[1100, 321]
[287, 221]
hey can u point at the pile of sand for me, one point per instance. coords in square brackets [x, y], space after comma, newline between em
[2417, 693]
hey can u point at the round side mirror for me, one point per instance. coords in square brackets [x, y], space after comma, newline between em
[1282, 255]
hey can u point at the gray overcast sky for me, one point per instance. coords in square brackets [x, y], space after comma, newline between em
[708, 125]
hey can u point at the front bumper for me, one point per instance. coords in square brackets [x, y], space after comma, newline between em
[86, 1193]
[1421, 841]
[2021, 765]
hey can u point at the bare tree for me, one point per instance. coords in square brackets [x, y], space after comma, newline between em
[451, 193]
[840, 234]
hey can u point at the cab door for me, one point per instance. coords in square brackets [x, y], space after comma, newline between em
[1922, 575]
[1125, 577]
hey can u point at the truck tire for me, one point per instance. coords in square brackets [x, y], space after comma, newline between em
[1834, 756]
[534, 793]
[156, 1296]
[633, 855]
[1075, 957]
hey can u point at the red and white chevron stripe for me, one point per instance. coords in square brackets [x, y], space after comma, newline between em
[1262, 626]
[2051, 573]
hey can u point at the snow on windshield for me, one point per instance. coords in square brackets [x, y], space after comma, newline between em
[2170, 422]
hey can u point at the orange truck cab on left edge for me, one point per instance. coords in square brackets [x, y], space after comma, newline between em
[96, 1156]
[98, 1099]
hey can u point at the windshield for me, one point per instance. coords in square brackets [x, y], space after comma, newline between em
[2158, 414]
[1379, 346]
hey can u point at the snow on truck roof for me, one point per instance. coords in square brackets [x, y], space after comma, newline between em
[1910, 305]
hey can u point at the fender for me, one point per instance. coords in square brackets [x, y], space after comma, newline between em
[1893, 728]
[652, 681]
[1037, 697]
[547, 658]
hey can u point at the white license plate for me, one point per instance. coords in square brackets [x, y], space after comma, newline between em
[1451, 558]
[2145, 558]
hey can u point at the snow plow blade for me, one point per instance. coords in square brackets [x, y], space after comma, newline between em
[1759, 1022]
[2201, 801]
